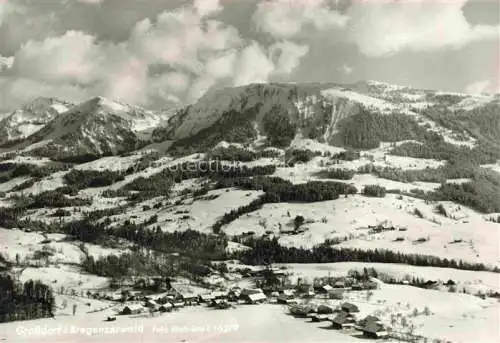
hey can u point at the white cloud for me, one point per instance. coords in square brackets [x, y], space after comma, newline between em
[200, 86]
[207, 7]
[128, 82]
[288, 55]
[5, 8]
[221, 66]
[386, 27]
[16, 91]
[181, 39]
[346, 69]
[180, 54]
[289, 18]
[175, 81]
[6, 62]
[481, 87]
[181, 42]
[71, 57]
[252, 66]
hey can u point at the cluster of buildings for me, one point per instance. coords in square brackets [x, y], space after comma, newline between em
[298, 298]
[175, 299]
[342, 317]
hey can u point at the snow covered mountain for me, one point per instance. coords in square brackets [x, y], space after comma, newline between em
[31, 118]
[356, 115]
[95, 127]
[315, 111]
[361, 179]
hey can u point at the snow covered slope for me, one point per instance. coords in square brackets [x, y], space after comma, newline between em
[314, 111]
[30, 118]
[96, 127]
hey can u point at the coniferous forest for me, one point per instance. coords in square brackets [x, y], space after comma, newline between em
[22, 301]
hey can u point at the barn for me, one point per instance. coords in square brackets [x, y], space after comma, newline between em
[254, 298]
[343, 320]
[132, 309]
[349, 308]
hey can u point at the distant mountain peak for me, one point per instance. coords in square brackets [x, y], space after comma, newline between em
[101, 103]
[31, 117]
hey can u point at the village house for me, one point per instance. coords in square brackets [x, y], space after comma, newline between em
[343, 320]
[325, 309]
[132, 309]
[372, 327]
[339, 284]
[286, 296]
[254, 298]
[357, 287]
[248, 291]
[189, 298]
[205, 298]
[322, 313]
[349, 308]
[309, 294]
[182, 293]
[178, 304]
[302, 310]
[167, 307]
[151, 304]
[220, 304]
[324, 289]
[336, 293]
[375, 330]
[367, 320]
[219, 294]
[114, 297]
[316, 317]
[234, 294]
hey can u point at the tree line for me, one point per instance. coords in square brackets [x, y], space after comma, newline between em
[161, 183]
[267, 251]
[9, 170]
[24, 301]
[366, 130]
[189, 242]
[278, 190]
[140, 263]
[82, 179]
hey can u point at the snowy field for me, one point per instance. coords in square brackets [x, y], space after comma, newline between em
[472, 281]
[495, 167]
[111, 163]
[48, 183]
[464, 234]
[39, 161]
[67, 276]
[9, 185]
[198, 214]
[259, 323]
[26, 245]
[157, 167]
[453, 317]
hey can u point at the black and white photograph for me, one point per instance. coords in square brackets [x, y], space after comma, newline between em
[249, 171]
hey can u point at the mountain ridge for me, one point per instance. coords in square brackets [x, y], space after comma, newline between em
[272, 113]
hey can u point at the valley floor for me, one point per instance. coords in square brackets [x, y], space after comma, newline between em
[264, 323]
[435, 315]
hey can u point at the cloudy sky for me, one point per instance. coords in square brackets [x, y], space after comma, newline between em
[156, 52]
